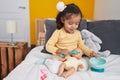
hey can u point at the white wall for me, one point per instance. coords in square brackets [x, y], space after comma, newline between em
[107, 9]
[15, 10]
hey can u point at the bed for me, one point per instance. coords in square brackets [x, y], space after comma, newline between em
[30, 70]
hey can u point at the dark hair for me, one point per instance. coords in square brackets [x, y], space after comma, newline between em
[66, 13]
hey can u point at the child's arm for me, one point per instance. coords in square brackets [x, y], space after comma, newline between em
[85, 49]
[79, 50]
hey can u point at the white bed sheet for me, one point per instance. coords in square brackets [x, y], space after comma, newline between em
[28, 70]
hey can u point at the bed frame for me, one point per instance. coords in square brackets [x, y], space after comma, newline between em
[40, 31]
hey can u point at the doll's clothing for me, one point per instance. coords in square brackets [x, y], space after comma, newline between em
[72, 62]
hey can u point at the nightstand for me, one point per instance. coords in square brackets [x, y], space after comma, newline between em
[11, 56]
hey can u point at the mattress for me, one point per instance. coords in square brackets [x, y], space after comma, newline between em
[28, 70]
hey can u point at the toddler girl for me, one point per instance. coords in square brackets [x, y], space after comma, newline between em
[66, 37]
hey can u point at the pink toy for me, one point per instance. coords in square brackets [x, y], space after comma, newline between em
[44, 72]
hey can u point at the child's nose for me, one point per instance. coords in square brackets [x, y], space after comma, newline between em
[74, 26]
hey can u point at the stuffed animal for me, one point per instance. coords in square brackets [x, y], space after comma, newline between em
[93, 42]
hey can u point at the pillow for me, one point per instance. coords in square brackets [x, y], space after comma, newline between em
[82, 25]
[108, 31]
[51, 26]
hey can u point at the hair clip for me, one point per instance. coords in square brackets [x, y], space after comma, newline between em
[60, 6]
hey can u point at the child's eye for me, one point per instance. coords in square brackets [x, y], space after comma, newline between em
[70, 23]
[77, 23]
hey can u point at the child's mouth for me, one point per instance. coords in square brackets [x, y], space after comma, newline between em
[71, 30]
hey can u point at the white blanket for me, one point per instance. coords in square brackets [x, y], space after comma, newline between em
[28, 70]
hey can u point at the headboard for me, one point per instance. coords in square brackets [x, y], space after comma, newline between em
[40, 31]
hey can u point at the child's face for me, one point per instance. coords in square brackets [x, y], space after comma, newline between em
[72, 23]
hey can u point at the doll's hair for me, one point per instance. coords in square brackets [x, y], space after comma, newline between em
[66, 13]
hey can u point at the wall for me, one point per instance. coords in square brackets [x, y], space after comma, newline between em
[47, 9]
[17, 10]
[107, 9]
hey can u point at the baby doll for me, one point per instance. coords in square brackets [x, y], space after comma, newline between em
[71, 64]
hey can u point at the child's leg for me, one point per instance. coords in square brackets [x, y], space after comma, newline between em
[61, 69]
[69, 72]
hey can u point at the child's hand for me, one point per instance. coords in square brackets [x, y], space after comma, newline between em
[93, 54]
[62, 51]
[79, 50]
[65, 51]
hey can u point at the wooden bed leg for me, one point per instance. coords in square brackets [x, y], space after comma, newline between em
[4, 62]
[18, 55]
[11, 59]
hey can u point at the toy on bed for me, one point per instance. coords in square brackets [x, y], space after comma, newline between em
[72, 52]
[71, 63]
[44, 72]
[53, 64]
[97, 64]
[93, 42]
